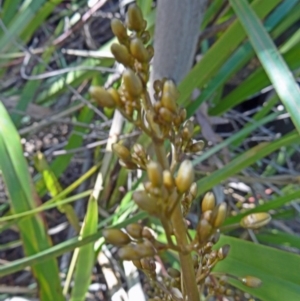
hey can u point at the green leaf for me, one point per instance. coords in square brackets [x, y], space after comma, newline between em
[244, 160]
[273, 63]
[277, 269]
[23, 198]
[219, 53]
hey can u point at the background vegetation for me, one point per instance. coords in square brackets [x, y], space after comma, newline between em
[62, 185]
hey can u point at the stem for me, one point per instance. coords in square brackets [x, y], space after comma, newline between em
[186, 262]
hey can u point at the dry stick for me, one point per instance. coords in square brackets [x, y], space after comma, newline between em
[176, 35]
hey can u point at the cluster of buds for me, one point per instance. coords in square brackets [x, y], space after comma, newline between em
[170, 186]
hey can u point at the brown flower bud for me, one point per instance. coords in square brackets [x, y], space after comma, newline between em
[150, 51]
[204, 230]
[155, 173]
[146, 202]
[134, 230]
[185, 176]
[116, 237]
[121, 151]
[197, 146]
[102, 97]
[218, 219]
[168, 179]
[251, 281]
[128, 164]
[139, 51]
[145, 36]
[157, 86]
[193, 190]
[132, 83]
[128, 253]
[121, 54]
[118, 29]
[182, 115]
[115, 95]
[134, 18]
[146, 233]
[145, 249]
[170, 95]
[188, 130]
[255, 220]
[137, 264]
[223, 252]
[148, 264]
[208, 202]
[166, 115]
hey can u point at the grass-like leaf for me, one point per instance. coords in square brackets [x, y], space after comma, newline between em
[277, 269]
[23, 197]
[273, 63]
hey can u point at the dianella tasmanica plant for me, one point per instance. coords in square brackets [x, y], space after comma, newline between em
[170, 189]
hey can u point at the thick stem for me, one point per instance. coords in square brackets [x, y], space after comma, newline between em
[186, 262]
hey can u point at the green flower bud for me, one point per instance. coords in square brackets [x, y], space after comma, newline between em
[197, 147]
[116, 237]
[168, 179]
[119, 29]
[128, 253]
[220, 216]
[204, 230]
[132, 83]
[166, 115]
[134, 230]
[170, 95]
[121, 151]
[155, 173]
[208, 202]
[139, 51]
[146, 202]
[255, 220]
[188, 130]
[251, 281]
[102, 97]
[185, 176]
[121, 54]
[134, 18]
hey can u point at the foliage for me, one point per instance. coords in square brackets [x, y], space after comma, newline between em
[235, 32]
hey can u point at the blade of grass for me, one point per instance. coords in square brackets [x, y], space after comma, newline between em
[270, 205]
[242, 161]
[23, 197]
[219, 53]
[64, 247]
[273, 63]
[277, 269]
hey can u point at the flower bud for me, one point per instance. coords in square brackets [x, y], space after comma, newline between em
[145, 36]
[118, 29]
[132, 83]
[157, 86]
[148, 264]
[169, 96]
[220, 216]
[146, 202]
[188, 130]
[128, 164]
[145, 249]
[251, 281]
[185, 176]
[137, 264]
[208, 202]
[115, 95]
[168, 179]
[197, 146]
[166, 115]
[121, 54]
[134, 230]
[182, 115]
[193, 190]
[204, 230]
[102, 97]
[223, 252]
[139, 51]
[255, 220]
[128, 253]
[121, 151]
[155, 173]
[116, 237]
[134, 18]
